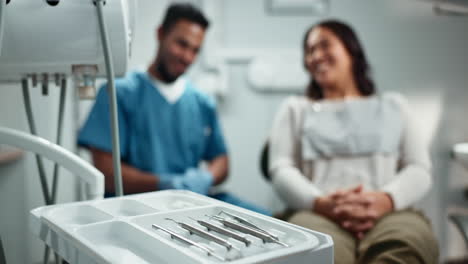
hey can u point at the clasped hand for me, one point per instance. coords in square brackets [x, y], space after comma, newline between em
[354, 209]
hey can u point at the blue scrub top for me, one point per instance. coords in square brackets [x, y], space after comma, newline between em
[155, 135]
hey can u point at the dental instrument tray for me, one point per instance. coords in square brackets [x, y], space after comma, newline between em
[173, 227]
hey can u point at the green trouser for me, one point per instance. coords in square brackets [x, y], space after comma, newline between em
[399, 237]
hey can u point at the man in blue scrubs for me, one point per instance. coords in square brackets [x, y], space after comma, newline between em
[167, 127]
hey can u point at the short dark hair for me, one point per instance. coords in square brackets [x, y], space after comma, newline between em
[360, 66]
[187, 11]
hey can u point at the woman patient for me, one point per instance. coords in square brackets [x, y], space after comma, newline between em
[349, 160]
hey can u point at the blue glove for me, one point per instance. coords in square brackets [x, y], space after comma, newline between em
[170, 181]
[195, 180]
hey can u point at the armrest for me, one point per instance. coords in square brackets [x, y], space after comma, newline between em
[58, 154]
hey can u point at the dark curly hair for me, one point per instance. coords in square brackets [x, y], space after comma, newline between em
[179, 11]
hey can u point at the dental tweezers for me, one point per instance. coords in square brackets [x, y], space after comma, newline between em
[204, 234]
[248, 223]
[223, 231]
[249, 230]
[174, 235]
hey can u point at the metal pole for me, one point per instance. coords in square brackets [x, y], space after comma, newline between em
[63, 94]
[2, 21]
[112, 99]
[32, 127]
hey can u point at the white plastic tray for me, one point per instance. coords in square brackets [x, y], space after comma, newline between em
[119, 230]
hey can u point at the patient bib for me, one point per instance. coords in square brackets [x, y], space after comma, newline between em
[351, 127]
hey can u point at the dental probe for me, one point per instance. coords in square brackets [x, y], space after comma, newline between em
[174, 235]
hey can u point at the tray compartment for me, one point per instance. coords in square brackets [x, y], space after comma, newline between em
[173, 201]
[77, 215]
[120, 242]
[125, 207]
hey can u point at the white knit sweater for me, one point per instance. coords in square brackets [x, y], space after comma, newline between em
[317, 147]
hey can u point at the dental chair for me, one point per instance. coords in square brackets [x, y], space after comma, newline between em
[461, 222]
[264, 165]
[264, 162]
[2, 253]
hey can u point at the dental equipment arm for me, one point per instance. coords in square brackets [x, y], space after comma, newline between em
[113, 99]
[65, 158]
[2, 22]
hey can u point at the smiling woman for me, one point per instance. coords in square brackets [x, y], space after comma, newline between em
[333, 53]
[347, 158]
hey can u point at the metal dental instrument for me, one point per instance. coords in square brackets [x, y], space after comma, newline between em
[223, 231]
[174, 235]
[248, 230]
[248, 223]
[204, 234]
